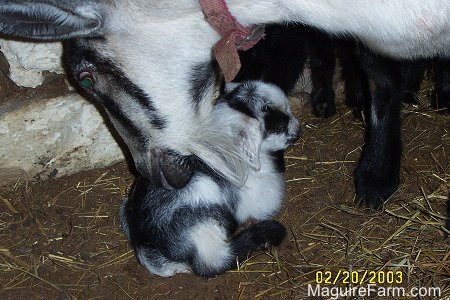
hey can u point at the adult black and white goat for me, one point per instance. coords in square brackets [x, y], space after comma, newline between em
[194, 228]
[150, 64]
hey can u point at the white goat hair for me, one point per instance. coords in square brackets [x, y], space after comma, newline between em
[158, 86]
[193, 228]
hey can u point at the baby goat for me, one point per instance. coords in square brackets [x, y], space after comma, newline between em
[193, 228]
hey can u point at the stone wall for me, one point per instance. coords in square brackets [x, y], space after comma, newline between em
[46, 128]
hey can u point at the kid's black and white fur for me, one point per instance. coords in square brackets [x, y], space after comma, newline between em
[193, 229]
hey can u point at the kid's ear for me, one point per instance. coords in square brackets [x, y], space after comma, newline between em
[248, 141]
[50, 20]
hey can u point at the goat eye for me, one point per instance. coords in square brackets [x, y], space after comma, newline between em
[265, 108]
[86, 80]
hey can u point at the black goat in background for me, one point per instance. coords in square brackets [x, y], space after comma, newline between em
[374, 84]
[441, 97]
[280, 58]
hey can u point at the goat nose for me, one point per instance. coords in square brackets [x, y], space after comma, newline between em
[168, 169]
[293, 137]
[294, 134]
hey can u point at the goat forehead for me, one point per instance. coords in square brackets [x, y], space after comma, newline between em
[157, 57]
[261, 93]
[275, 96]
[158, 51]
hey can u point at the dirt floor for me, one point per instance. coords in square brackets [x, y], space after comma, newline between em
[60, 239]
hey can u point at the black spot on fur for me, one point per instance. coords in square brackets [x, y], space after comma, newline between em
[241, 99]
[275, 121]
[278, 161]
[240, 106]
[203, 77]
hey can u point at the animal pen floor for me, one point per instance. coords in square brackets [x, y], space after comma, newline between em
[60, 239]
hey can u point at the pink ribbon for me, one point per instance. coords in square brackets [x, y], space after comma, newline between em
[234, 36]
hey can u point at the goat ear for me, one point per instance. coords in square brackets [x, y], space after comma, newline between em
[50, 20]
[248, 141]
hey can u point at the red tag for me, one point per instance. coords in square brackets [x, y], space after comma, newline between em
[235, 36]
[228, 57]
